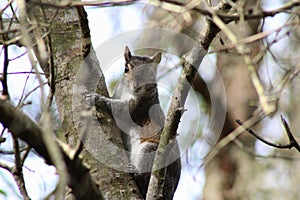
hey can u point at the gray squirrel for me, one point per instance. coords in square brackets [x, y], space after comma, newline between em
[136, 109]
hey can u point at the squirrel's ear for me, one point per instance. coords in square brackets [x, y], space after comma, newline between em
[127, 54]
[157, 57]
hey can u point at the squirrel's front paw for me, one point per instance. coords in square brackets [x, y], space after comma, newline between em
[92, 98]
[132, 169]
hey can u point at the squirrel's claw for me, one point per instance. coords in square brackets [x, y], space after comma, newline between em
[91, 99]
[132, 169]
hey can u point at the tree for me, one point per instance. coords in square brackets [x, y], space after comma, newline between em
[57, 38]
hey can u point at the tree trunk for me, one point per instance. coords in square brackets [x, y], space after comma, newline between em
[73, 55]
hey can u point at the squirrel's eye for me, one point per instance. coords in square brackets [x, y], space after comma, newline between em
[126, 68]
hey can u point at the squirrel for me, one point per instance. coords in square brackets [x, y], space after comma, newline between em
[136, 109]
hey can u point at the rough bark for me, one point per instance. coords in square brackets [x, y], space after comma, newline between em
[72, 54]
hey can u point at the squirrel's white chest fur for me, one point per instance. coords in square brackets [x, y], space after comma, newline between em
[137, 148]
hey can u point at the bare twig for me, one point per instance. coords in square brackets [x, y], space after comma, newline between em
[177, 6]
[71, 3]
[10, 152]
[268, 106]
[24, 72]
[17, 170]
[293, 142]
[252, 132]
[182, 7]
[2, 139]
[256, 37]
[6, 167]
[26, 153]
[6, 6]
[54, 151]
[252, 153]
[5, 94]
[230, 137]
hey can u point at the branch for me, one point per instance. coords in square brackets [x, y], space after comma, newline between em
[268, 106]
[5, 94]
[17, 170]
[21, 126]
[256, 37]
[230, 137]
[252, 132]
[183, 7]
[6, 167]
[10, 152]
[71, 3]
[252, 152]
[169, 132]
[176, 6]
[53, 149]
[293, 142]
[26, 153]
[250, 122]
[2, 139]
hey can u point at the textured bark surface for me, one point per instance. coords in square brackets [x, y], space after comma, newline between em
[73, 54]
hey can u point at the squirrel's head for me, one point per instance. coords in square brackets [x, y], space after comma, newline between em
[141, 70]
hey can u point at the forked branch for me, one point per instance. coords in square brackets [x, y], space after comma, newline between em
[293, 142]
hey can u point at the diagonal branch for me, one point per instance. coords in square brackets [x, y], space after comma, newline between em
[168, 135]
[21, 126]
[257, 136]
[293, 142]
[17, 170]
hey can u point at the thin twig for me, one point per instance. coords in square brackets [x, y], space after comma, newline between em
[256, 37]
[252, 132]
[293, 142]
[24, 72]
[176, 6]
[3, 79]
[5, 7]
[70, 3]
[26, 153]
[18, 169]
[182, 7]
[10, 152]
[268, 106]
[252, 153]
[6, 167]
[230, 137]
[2, 139]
